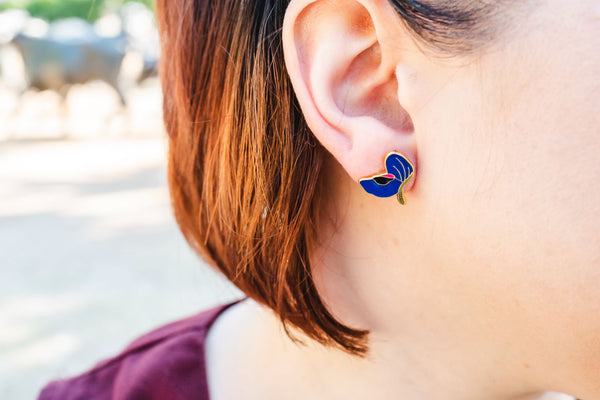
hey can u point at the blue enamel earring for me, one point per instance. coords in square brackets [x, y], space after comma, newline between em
[392, 182]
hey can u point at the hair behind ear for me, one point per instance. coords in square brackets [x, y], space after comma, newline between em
[243, 166]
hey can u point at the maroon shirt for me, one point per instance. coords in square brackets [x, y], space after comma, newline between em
[164, 364]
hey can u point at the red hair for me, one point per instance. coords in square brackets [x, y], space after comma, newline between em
[243, 165]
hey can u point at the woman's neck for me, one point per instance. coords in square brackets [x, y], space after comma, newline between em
[435, 333]
[247, 342]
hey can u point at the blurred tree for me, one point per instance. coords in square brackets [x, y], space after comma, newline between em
[51, 10]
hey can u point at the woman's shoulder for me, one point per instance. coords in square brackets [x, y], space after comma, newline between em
[248, 346]
[167, 362]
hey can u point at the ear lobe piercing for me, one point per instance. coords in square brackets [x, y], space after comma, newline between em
[392, 182]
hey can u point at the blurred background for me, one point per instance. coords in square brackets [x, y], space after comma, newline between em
[90, 255]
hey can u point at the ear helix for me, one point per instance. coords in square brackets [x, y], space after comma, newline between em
[399, 171]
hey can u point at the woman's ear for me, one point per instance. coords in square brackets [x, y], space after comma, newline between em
[343, 59]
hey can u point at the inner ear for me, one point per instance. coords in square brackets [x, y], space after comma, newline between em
[344, 77]
[369, 89]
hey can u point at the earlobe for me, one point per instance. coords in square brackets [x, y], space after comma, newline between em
[343, 70]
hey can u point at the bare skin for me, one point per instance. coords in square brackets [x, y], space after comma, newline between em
[485, 285]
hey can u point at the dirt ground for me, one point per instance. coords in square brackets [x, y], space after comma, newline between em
[92, 110]
[90, 254]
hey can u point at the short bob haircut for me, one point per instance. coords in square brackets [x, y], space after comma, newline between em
[243, 166]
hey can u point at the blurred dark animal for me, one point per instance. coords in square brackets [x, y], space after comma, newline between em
[56, 61]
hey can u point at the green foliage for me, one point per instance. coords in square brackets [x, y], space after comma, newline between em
[148, 3]
[51, 10]
[56, 9]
